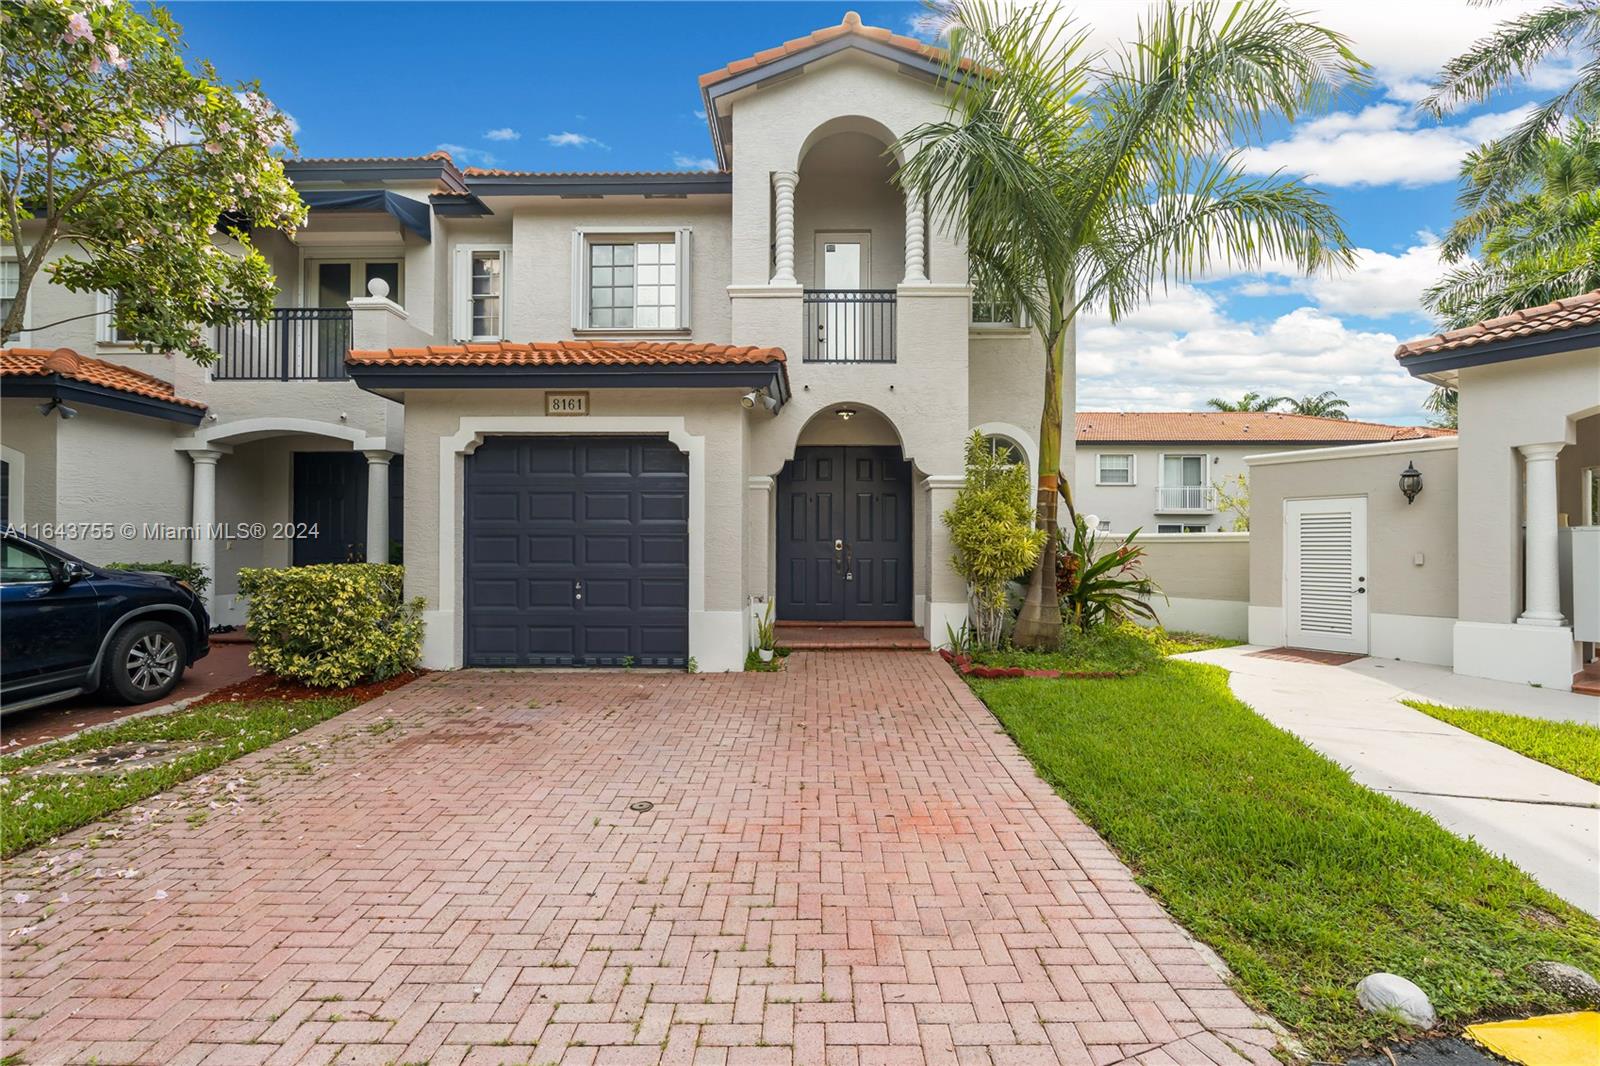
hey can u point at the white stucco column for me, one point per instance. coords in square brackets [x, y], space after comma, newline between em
[378, 505]
[947, 591]
[916, 240]
[1541, 585]
[203, 511]
[784, 182]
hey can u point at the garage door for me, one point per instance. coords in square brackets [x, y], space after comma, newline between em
[577, 552]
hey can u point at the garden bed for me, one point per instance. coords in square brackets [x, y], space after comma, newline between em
[1301, 879]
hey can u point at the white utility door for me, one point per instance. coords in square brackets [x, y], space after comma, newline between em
[1325, 574]
[842, 260]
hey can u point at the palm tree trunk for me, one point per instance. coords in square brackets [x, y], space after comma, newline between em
[1039, 623]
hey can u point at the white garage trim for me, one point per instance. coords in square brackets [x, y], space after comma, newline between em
[715, 643]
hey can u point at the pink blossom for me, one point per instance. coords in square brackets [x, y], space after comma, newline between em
[114, 54]
[213, 148]
[95, 66]
[78, 28]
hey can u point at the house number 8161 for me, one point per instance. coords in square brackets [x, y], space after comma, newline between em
[566, 403]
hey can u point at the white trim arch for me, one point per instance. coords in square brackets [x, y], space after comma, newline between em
[255, 428]
[1024, 441]
[847, 124]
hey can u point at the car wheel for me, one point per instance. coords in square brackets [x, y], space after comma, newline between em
[144, 663]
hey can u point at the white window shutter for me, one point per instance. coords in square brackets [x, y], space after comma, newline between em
[685, 242]
[580, 291]
[461, 305]
[104, 325]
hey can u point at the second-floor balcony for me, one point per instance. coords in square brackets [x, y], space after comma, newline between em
[1186, 499]
[290, 344]
[849, 325]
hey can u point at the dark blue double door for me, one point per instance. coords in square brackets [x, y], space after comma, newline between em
[577, 552]
[330, 507]
[844, 535]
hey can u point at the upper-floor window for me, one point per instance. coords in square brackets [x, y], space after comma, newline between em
[1183, 471]
[480, 288]
[106, 322]
[990, 307]
[631, 281]
[1114, 469]
[10, 282]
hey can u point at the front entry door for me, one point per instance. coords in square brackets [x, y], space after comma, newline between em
[1325, 574]
[844, 535]
[330, 494]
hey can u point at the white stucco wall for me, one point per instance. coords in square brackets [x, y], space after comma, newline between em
[117, 468]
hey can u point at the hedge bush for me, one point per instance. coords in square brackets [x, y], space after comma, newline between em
[333, 625]
[193, 573]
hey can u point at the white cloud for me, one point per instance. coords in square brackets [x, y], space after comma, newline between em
[1384, 144]
[1379, 285]
[504, 133]
[684, 161]
[568, 139]
[1183, 348]
[472, 156]
[700, 113]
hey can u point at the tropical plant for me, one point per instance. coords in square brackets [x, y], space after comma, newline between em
[119, 164]
[1538, 242]
[332, 625]
[1326, 404]
[1081, 179]
[991, 527]
[1253, 402]
[766, 631]
[1441, 407]
[1515, 49]
[1233, 497]
[1098, 587]
[192, 574]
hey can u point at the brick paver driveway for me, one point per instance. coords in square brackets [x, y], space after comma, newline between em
[843, 863]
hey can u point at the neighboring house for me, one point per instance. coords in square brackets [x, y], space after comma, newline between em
[1491, 565]
[1169, 471]
[623, 407]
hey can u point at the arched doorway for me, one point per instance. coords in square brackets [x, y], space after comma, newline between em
[844, 523]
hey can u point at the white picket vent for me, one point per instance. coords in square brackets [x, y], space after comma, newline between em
[1325, 574]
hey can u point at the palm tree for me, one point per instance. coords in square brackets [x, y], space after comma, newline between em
[1323, 405]
[1441, 406]
[1539, 242]
[1081, 179]
[1253, 402]
[1514, 49]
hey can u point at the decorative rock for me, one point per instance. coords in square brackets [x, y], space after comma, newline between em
[1394, 997]
[1572, 984]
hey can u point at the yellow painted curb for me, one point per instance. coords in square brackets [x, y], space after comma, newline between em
[1550, 1040]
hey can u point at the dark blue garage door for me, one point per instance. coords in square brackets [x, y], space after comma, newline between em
[577, 552]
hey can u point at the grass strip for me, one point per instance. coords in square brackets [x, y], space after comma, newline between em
[1570, 746]
[39, 801]
[1302, 880]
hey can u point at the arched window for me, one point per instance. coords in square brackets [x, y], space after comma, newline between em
[1005, 448]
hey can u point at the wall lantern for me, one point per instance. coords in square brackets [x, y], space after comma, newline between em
[1410, 482]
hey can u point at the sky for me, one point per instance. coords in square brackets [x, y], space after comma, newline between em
[612, 86]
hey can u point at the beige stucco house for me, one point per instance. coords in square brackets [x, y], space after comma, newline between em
[604, 417]
[1491, 564]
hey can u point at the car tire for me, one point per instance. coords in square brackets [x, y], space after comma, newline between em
[144, 663]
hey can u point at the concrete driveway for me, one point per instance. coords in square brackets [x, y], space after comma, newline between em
[1544, 820]
[845, 863]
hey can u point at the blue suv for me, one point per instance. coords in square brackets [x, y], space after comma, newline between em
[67, 627]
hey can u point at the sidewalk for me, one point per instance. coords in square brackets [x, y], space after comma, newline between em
[1544, 820]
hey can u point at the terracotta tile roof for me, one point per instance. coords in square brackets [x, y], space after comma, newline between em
[486, 172]
[43, 362]
[1238, 427]
[443, 157]
[851, 26]
[569, 353]
[1565, 314]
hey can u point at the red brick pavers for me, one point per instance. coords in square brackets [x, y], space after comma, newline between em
[846, 863]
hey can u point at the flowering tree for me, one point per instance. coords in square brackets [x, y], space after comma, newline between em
[120, 165]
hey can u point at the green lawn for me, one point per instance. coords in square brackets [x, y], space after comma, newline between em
[1123, 649]
[1301, 879]
[38, 802]
[1570, 746]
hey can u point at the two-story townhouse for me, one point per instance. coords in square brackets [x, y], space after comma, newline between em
[612, 411]
[1169, 471]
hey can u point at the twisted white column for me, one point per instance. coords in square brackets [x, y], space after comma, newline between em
[916, 240]
[784, 181]
[1541, 583]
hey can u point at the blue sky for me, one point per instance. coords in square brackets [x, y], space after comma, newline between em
[613, 87]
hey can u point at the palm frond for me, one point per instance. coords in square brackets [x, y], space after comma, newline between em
[1516, 48]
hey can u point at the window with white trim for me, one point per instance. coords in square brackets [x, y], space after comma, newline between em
[1180, 529]
[990, 307]
[1006, 449]
[631, 281]
[1114, 468]
[10, 283]
[106, 331]
[479, 310]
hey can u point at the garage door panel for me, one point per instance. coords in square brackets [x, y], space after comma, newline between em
[544, 514]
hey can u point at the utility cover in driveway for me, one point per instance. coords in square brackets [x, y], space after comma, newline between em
[577, 552]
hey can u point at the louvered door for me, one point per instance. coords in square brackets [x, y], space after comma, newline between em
[1325, 574]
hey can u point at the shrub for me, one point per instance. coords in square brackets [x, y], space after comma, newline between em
[1102, 586]
[991, 526]
[193, 573]
[333, 625]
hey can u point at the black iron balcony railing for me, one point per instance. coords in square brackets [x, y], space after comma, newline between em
[290, 344]
[850, 325]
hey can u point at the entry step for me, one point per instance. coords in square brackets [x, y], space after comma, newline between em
[851, 636]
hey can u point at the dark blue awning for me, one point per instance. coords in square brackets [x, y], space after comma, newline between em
[412, 214]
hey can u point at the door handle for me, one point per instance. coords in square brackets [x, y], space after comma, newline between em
[849, 563]
[577, 590]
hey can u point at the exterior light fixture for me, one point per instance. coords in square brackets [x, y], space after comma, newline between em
[58, 407]
[846, 413]
[1410, 482]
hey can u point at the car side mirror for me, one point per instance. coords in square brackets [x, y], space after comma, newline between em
[67, 573]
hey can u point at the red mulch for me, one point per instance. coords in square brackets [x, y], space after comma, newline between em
[268, 687]
[967, 668]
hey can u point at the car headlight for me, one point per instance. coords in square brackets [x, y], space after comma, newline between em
[184, 584]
